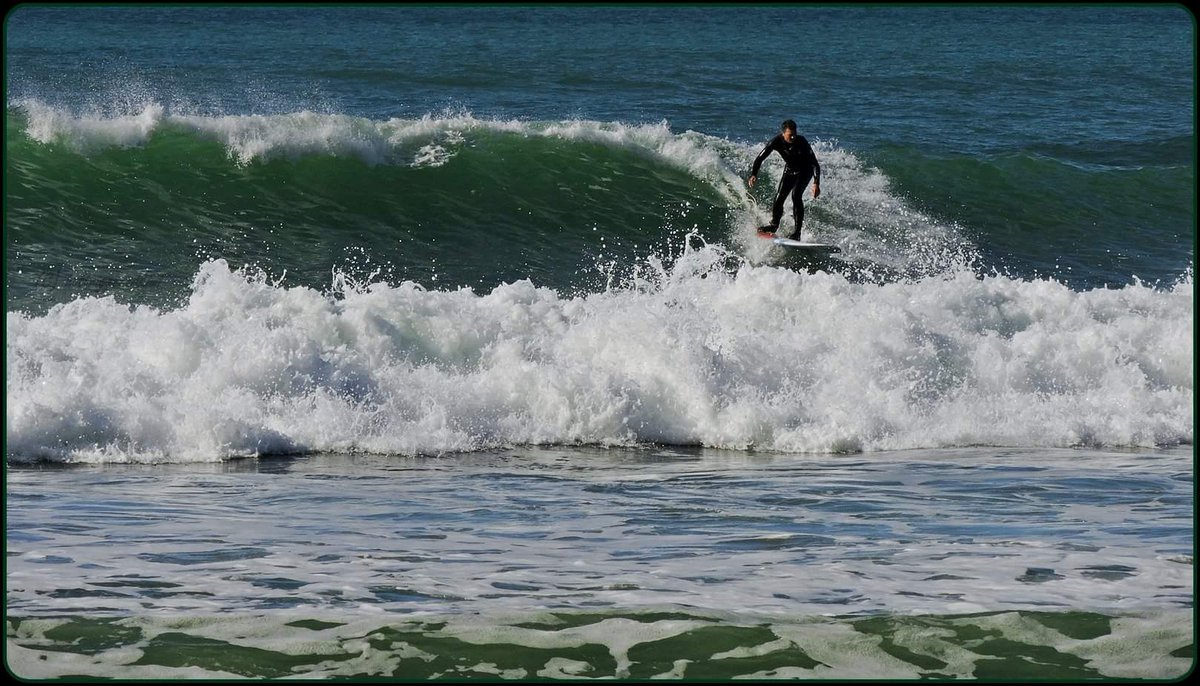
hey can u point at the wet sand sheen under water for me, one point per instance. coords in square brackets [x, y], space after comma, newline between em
[576, 562]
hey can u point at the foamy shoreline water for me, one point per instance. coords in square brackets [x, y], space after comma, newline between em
[614, 560]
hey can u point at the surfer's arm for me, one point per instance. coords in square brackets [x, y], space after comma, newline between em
[816, 172]
[759, 160]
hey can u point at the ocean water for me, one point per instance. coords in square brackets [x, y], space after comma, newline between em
[429, 342]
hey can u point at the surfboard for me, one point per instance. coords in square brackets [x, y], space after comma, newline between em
[799, 245]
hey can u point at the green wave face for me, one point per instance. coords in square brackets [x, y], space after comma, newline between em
[463, 204]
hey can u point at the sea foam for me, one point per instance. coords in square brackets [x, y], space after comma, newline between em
[756, 357]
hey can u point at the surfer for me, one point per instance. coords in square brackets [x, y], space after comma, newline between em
[801, 166]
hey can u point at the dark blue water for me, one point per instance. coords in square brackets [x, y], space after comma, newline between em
[1005, 77]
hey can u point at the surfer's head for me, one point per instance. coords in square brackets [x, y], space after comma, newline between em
[788, 129]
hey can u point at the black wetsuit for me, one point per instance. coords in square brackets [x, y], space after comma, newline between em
[802, 166]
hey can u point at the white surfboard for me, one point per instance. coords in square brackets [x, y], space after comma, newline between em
[801, 245]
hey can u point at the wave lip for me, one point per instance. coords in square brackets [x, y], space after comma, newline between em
[251, 137]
